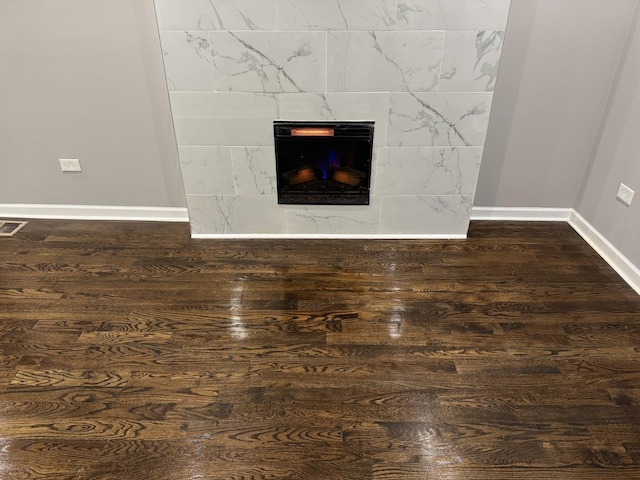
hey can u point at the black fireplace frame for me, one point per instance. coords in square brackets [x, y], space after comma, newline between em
[324, 192]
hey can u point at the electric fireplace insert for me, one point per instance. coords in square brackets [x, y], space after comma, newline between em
[323, 163]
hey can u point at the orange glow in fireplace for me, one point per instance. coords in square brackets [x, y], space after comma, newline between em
[303, 175]
[312, 132]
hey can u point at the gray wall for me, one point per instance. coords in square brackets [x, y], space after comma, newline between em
[616, 159]
[84, 79]
[558, 65]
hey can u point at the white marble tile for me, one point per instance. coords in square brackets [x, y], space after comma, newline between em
[435, 215]
[383, 61]
[374, 169]
[438, 119]
[427, 170]
[336, 14]
[187, 60]
[223, 119]
[339, 106]
[216, 14]
[221, 132]
[423, 70]
[333, 219]
[218, 214]
[470, 61]
[254, 170]
[223, 105]
[452, 14]
[206, 170]
[269, 61]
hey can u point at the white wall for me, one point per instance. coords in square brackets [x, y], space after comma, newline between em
[558, 65]
[84, 79]
[617, 159]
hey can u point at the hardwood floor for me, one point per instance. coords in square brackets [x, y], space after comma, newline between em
[129, 351]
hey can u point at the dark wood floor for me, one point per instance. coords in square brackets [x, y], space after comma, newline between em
[129, 351]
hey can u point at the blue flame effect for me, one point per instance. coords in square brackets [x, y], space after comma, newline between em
[326, 163]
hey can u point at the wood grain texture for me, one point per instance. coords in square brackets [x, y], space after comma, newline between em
[130, 351]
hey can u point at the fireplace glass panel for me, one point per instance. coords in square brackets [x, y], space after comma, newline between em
[327, 163]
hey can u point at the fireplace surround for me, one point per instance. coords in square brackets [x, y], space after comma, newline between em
[423, 70]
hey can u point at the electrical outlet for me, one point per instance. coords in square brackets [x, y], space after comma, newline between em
[625, 194]
[70, 165]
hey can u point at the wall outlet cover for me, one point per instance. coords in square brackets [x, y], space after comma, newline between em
[70, 165]
[625, 194]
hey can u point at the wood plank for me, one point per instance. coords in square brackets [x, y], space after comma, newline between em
[129, 350]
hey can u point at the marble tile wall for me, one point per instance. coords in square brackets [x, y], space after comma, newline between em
[423, 70]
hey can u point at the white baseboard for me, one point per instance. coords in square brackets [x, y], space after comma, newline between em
[614, 257]
[324, 236]
[621, 264]
[93, 212]
[521, 214]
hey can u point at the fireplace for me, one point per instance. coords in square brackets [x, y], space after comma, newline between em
[235, 67]
[323, 163]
